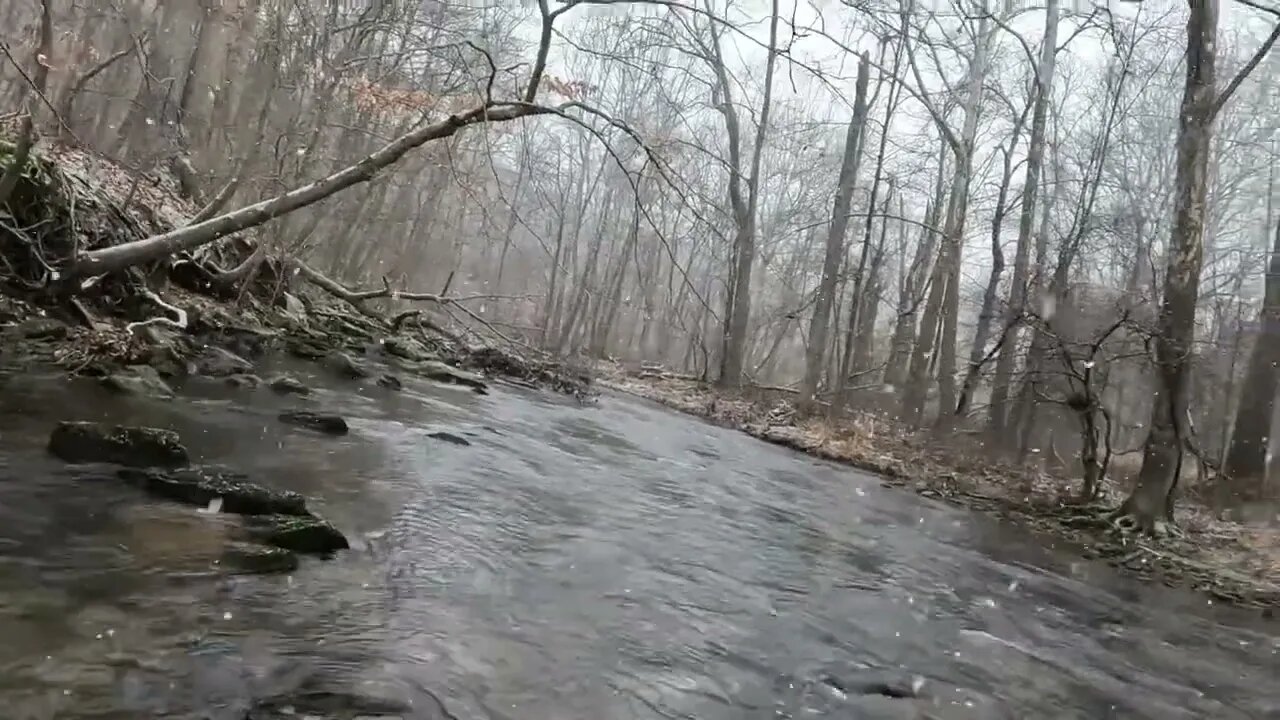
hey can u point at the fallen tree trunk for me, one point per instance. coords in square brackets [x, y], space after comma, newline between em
[190, 237]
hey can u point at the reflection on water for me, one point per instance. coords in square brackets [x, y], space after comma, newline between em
[571, 564]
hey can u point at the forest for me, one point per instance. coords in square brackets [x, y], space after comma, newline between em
[1049, 228]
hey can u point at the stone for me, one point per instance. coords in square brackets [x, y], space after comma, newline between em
[406, 348]
[324, 422]
[89, 442]
[304, 534]
[389, 381]
[245, 380]
[42, 328]
[440, 372]
[216, 362]
[450, 438]
[138, 380]
[319, 702]
[305, 349]
[346, 366]
[199, 486]
[288, 385]
[244, 558]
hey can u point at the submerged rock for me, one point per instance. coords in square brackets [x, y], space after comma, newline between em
[254, 559]
[440, 372]
[289, 385]
[389, 381]
[450, 438]
[138, 380]
[324, 422]
[216, 362]
[244, 380]
[42, 328]
[299, 533]
[317, 702]
[346, 366]
[200, 486]
[407, 348]
[305, 349]
[87, 442]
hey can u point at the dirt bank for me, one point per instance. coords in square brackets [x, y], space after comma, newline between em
[1230, 562]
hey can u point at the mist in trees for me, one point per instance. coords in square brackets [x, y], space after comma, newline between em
[1051, 227]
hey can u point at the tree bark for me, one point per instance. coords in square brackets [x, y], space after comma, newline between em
[1151, 501]
[998, 414]
[820, 322]
[1246, 464]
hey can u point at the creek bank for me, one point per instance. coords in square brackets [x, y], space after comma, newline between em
[274, 523]
[1229, 562]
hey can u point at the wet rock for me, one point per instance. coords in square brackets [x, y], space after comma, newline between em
[407, 348]
[306, 349]
[316, 702]
[324, 422]
[881, 684]
[389, 381]
[440, 372]
[216, 362]
[346, 366]
[450, 438]
[253, 559]
[138, 380]
[86, 442]
[245, 380]
[304, 534]
[42, 328]
[200, 486]
[289, 385]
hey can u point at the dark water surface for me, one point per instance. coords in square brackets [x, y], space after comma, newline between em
[617, 561]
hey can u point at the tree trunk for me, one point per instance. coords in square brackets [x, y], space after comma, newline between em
[820, 322]
[998, 413]
[1246, 465]
[738, 320]
[1152, 498]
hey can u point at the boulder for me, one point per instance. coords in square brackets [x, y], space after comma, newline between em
[288, 385]
[346, 366]
[216, 362]
[42, 328]
[389, 381]
[88, 442]
[244, 380]
[199, 486]
[306, 349]
[253, 559]
[324, 422]
[304, 534]
[406, 348]
[440, 372]
[138, 380]
[450, 438]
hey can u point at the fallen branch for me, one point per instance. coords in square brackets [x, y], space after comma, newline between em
[179, 324]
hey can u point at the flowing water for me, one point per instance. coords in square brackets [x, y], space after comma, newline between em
[615, 561]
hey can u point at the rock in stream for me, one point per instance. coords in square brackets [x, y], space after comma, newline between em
[91, 442]
[299, 533]
[200, 486]
[322, 422]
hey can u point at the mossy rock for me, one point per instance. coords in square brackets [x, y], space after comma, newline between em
[134, 446]
[304, 534]
[252, 559]
[200, 486]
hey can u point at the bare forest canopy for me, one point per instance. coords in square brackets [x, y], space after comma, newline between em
[1050, 222]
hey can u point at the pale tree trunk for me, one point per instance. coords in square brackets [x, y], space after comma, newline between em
[1151, 501]
[998, 413]
[820, 322]
[858, 298]
[1246, 464]
[982, 333]
[738, 315]
[946, 270]
[869, 305]
[912, 283]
